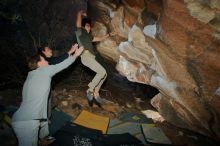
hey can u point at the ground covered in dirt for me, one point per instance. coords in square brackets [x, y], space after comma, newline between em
[68, 94]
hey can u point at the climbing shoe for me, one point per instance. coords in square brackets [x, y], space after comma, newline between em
[98, 101]
[89, 96]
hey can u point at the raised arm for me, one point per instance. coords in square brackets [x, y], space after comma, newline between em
[58, 59]
[102, 38]
[53, 69]
[79, 16]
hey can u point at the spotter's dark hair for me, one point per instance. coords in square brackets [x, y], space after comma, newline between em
[33, 61]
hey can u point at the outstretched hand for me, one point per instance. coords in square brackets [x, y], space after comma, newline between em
[73, 49]
[82, 12]
[113, 33]
[78, 51]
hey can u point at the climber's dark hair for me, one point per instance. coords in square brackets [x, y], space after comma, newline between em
[86, 21]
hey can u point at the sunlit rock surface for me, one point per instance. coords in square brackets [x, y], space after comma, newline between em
[181, 60]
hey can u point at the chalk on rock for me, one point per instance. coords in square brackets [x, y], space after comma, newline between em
[153, 115]
[150, 30]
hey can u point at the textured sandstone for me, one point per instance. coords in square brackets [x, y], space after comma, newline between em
[182, 61]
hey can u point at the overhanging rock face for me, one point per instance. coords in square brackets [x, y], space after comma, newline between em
[173, 45]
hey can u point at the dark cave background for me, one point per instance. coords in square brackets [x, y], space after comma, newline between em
[26, 24]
